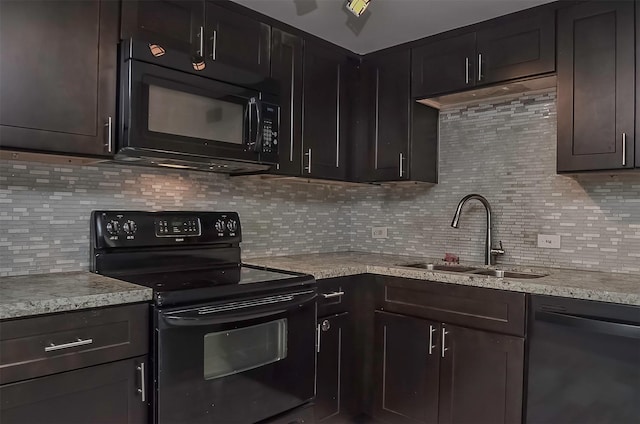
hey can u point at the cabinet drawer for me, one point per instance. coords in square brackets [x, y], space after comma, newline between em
[33, 347]
[334, 295]
[488, 309]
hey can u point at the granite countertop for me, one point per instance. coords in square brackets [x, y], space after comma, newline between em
[47, 293]
[601, 286]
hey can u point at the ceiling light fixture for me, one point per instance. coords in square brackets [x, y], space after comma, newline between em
[357, 7]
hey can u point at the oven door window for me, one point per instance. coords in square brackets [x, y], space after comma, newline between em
[190, 115]
[242, 349]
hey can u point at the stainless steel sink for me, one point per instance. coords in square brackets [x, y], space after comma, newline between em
[450, 268]
[508, 274]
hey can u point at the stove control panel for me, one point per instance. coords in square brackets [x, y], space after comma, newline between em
[114, 229]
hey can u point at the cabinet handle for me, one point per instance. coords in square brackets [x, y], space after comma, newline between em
[109, 126]
[479, 66]
[291, 105]
[214, 44]
[318, 338]
[444, 348]
[201, 36]
[466, 70]
[624, 149]
[308, 168]
[143, 387]
[375, 160]
[337, 121]
[78, 342]
[432, 330]
[401, 165]
[331, 295]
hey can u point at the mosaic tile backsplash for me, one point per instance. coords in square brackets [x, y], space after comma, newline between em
[45, 210]
[504, 150]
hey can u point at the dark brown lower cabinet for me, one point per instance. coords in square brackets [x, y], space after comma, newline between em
[430, 372]
[106, 394]
[334, 382]
[481, 377]
[406, 363]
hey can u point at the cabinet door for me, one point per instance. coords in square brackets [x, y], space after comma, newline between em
[516, 48]
[596, 86]
[406, 361]
[443, 66]
[481, 377]
[58, 75]
[100, 394]
[333, 370]
[325, 112]
[637, 147]
[286, 68]
[237, 40]
[172, 24]
[388, 78]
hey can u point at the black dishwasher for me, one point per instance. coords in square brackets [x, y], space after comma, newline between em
[584, 362]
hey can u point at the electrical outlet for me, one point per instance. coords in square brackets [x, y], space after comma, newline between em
[547, 241]
[379, 232]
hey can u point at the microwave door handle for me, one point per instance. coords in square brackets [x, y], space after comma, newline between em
[258, 146]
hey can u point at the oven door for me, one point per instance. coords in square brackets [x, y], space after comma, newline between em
[238, 361]
[165, 110]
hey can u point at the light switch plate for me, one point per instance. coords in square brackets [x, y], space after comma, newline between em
[379, 232]
[548, 241]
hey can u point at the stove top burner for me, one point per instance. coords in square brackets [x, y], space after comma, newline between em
[195, 285]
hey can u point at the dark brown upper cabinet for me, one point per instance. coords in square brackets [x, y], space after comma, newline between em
[406, 369]
[401, 135]
[637, 81]
[388, 81]
[444, 66]
[328, 75]
[237, 40]
[481, 377]
[171, 24]
[507, 48]
[202, 29]
[286, 68]
[58, 76]
[596, 72]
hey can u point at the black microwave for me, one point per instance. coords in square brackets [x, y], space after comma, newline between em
[178, 113]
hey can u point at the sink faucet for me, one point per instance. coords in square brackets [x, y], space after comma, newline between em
[489, 252]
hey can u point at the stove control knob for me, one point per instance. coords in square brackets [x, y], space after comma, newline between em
[232, 225]
[112, 227]
[129, 227]
[219, 226]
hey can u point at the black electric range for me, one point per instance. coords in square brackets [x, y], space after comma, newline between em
[231, 343]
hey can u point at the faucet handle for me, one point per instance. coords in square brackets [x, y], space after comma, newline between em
[499, 251]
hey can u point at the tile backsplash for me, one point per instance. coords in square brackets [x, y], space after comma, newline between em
[45, 209]
[504, 150]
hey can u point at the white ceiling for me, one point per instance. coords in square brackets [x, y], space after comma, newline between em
[386, 22]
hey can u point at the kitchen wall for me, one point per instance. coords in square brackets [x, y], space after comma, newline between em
[44, 210]
[506, 151]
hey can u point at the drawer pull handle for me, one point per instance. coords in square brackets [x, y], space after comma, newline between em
[78, 342]
[331, 295]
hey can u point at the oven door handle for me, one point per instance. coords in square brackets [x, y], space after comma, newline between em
[191, 321]
[240, 310]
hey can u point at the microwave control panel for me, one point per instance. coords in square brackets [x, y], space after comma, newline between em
[270, 128]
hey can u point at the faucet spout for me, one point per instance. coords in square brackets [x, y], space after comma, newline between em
[455, 223]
